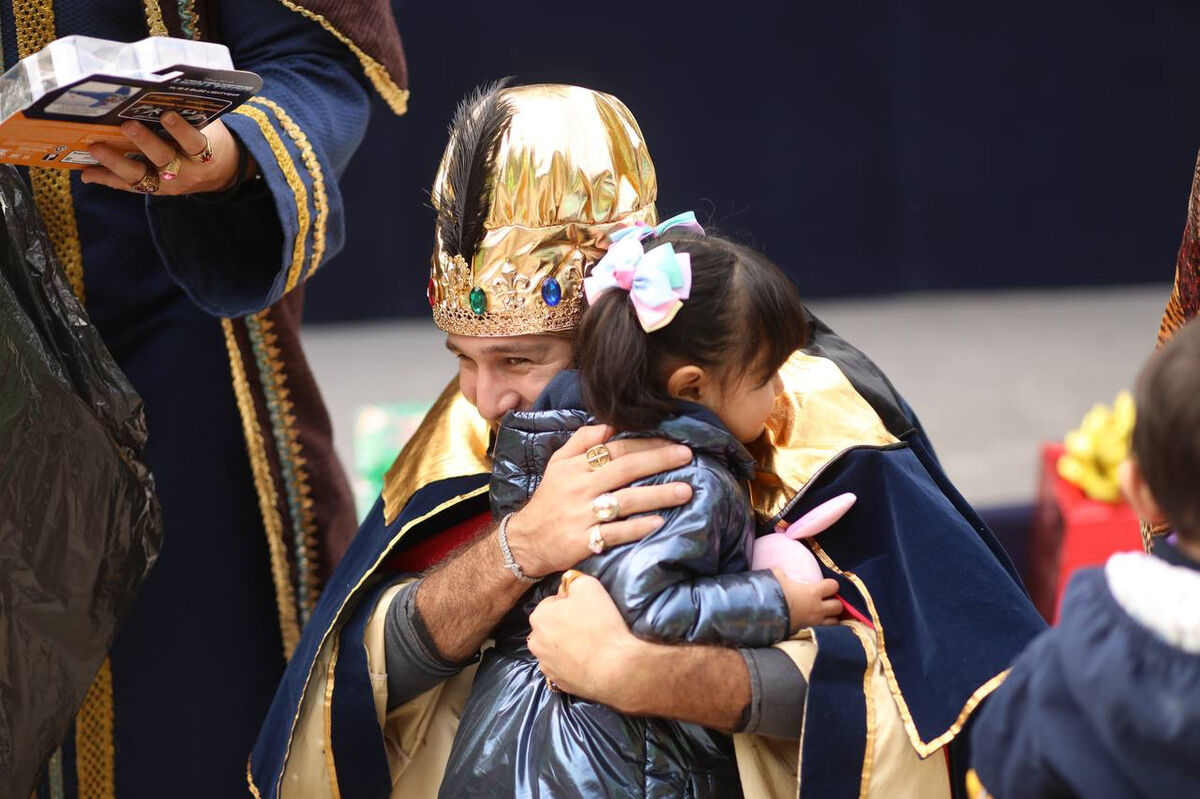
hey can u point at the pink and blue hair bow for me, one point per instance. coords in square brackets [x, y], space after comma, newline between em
[658, 281]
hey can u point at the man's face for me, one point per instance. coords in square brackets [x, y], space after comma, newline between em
[503, 374]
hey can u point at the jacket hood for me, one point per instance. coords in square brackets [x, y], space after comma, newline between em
[559, 408]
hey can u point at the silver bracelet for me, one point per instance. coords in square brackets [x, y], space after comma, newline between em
[510, 562]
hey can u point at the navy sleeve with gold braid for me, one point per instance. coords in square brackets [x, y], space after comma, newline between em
[242, 255]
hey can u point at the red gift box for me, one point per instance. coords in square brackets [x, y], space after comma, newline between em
[1070, 532]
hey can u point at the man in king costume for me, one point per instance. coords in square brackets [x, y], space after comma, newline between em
[533, 180]
[197, 291]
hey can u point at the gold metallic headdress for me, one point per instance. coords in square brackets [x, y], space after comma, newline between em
[532, 182]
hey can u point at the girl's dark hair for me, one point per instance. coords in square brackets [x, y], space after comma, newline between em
[743, 317]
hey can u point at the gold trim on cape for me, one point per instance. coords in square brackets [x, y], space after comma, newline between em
[285, 595]
[327, 710]
[35, 25]
[868, 708]
[818, 417]
[451, 441]
[805, 634]
[481, 491]
[392, 94]
[95, 749]
[924, 749]
[250, 782]
[869, 698]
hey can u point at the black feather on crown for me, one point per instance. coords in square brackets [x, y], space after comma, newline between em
[463, 203]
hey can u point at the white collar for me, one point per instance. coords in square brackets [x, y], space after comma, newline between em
[1161, 597]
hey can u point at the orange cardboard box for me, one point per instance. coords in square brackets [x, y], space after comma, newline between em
[79, 90]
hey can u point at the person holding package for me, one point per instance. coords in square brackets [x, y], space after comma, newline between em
[192, 263]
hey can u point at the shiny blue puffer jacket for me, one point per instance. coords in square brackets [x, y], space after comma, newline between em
[686, 582]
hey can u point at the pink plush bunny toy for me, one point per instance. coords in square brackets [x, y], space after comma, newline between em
[783, 550]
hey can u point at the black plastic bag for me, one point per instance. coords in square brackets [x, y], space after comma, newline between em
[79, 522]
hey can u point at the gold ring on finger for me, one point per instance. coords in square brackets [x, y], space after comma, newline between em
[605, 508]
[598, 456]
[596, 541]
[170, 170]
[147, 183]
[205, 155]
[568, 577]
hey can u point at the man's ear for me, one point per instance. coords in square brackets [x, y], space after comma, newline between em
[689, 383]
[1133, 486]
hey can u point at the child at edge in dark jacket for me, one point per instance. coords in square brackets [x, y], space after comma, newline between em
[1107, 703]
[683, 340]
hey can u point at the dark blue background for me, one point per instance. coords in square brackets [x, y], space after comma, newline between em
[868, 147]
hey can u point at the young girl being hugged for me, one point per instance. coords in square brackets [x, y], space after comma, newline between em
[683, 340]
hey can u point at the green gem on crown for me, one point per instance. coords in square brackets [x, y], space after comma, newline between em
[478, 301]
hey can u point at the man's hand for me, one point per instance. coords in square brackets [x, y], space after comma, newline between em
[217, 174]
[584, 646]
[809, 604]
[551, 532]
[583, 643]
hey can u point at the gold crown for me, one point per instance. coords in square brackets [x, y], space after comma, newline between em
[570, 167]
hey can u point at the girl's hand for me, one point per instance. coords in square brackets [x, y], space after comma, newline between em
[809, 604]
[217, 174]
